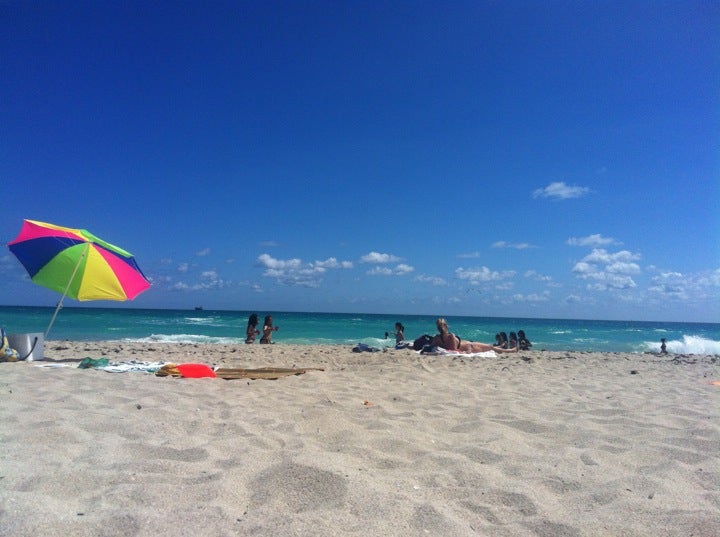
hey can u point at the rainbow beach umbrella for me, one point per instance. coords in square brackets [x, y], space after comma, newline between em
[77, 264]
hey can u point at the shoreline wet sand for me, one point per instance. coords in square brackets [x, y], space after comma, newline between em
[389, 443]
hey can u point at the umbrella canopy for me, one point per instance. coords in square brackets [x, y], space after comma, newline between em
[77, 264]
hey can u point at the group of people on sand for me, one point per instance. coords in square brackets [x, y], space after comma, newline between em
[516, 341]
[452, 342]
[252, 329]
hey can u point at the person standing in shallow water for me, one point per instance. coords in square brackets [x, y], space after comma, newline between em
[399, 333]
[268, 329]
[663, 347]
[252, 330]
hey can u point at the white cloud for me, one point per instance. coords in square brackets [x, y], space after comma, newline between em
[607, 270]
[376, 257]
[209, 279]
[482, 274]
[516, 246]
[296, 273]
[711, 279]
[203, 252]
[533, 297]
[623, 268]
[399, 270]
[584, 268]
[333, 263]
[432, 280]
[537, 276]
[380, 271]
[669, 290]
[559, 190]
[183, 267]
[270, 262]
[591, 240]
[675, 285]
[471, 255]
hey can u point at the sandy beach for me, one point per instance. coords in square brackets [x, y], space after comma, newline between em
[555, 444]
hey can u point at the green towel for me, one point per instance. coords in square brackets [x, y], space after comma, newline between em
[87, 363]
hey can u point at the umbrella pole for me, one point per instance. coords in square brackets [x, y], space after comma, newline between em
[67, 287]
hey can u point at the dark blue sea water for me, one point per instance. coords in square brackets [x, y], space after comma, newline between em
[92, 324]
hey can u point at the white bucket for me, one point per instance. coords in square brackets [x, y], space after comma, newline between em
[29, 346]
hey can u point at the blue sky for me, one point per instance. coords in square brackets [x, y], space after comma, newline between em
[535, 159]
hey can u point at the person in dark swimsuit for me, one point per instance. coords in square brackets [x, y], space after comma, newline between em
[399, 333]
[503, 343]
[523, 342]
[252, 330]
[512, 341]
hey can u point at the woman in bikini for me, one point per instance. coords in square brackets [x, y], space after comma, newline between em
[251, 330]
[512, 341]
[450, 342]
[399, 333]
[268, 329]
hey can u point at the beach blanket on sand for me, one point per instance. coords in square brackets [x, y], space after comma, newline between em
[133, 366]
[104, 365]
[439, 351]
[362, 347]
[202, 370]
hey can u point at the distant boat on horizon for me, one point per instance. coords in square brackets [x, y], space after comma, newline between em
[198, 308]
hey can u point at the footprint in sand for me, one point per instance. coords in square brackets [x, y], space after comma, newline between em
[588, 460]
[299, 488]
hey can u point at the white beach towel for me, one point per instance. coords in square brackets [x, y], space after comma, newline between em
[442, 352]
[133, 366]
[114, 367]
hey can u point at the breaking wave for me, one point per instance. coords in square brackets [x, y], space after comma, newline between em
[186, 338]
[688, 345]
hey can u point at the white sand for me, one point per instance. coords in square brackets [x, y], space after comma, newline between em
[531, 444]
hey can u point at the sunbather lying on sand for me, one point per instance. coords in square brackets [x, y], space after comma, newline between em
[450, 342]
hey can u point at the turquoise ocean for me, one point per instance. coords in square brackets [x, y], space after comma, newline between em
[207, 326]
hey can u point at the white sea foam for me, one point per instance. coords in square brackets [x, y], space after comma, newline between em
[200, 320]
[186, 338]
[688, 345]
